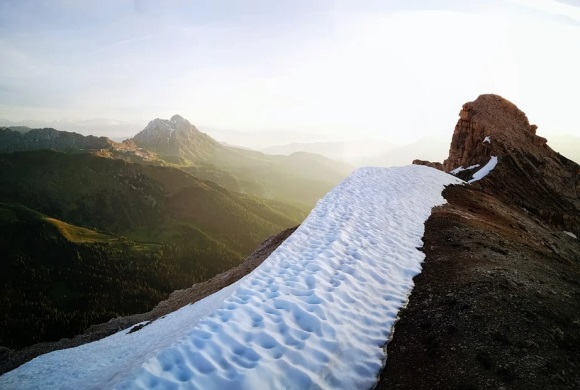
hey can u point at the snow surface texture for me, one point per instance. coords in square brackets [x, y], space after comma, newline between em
[315, 314]
[483, 172]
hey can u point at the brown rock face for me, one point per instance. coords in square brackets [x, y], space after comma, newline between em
[529, 173]
[496, 305]
[506, 127]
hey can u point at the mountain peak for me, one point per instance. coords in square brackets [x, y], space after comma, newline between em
[175, 139]
[179, 119]
[491, 125]
[493, 136]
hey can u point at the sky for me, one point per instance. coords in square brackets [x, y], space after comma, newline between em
[346, 69]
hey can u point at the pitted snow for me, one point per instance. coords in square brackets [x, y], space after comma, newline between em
[314, 315]
[317, 312]
[483, 172]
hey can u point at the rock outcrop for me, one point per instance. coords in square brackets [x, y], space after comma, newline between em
[436, 165]
[496, 305]
[528, 173]
[492, 125]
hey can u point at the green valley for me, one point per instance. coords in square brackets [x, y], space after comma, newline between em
[84, 238]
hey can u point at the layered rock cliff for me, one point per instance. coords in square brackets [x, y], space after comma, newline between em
[528, 173]
[497, 303]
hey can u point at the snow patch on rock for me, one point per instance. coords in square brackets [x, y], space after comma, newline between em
[461, 169]
[483, 172]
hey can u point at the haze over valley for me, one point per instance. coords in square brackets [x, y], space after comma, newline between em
[257, 194]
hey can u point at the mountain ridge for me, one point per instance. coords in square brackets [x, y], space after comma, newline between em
[177, 143]
[496, 305]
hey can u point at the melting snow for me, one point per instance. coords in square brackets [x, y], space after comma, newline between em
[461, 169]
[483, 172]
[315, 314]
[487, 139]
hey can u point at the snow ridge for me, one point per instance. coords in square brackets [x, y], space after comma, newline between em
[317, 312]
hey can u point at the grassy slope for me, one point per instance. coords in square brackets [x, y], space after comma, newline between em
[141, 232]
[59, 278]
[127, 199]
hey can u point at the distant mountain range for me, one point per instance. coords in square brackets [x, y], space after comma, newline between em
[23, 138]
[102, 126]
[300, 179]
[384, 154]
[369, 153]
[353, 152]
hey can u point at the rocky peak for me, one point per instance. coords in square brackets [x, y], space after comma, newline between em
[526, 171]
[163, 128]
[179, 119]
[491, 126]
[175, 138]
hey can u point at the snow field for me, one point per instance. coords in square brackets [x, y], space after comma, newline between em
[318, 311]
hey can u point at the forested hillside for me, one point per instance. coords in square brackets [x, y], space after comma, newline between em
[84, 239]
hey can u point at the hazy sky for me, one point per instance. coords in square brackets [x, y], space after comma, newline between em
[382, 69]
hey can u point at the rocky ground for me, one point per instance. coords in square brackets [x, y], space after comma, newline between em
[9, 359]
[496, 306]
